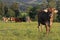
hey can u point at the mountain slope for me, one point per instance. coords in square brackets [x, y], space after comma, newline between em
[23, 3]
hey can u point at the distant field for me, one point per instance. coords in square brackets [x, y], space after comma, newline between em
[27, 31]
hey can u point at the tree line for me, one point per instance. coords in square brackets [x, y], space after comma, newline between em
[14, 10]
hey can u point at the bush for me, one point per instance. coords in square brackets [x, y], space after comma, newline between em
[23, 15]
[33, 13]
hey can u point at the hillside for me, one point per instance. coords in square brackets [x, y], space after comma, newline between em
[23, 3]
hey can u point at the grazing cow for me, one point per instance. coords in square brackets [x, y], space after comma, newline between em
[45, 17]
[12, 19]
[5, 19]
[20, 20]
[17, 19]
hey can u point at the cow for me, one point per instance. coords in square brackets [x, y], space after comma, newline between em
[45, 17]
[5, 19]
[14, 19]
[18, 19]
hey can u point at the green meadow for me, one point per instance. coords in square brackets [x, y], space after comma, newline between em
[27, 31]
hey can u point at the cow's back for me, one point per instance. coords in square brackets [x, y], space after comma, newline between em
[43, 17]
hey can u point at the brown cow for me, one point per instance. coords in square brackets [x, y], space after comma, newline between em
[13, 19]
[45, 17]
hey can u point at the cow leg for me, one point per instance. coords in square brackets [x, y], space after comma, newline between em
[47, 28]
[41, 28]
[38, 25]
[50, 26]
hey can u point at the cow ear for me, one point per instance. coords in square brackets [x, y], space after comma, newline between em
[45, 10]
[56, 11]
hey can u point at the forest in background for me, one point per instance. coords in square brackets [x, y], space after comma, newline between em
[24, 9]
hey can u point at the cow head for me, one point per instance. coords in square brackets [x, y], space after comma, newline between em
[52, 10]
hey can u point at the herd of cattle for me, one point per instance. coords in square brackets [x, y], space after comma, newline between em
[45, 17]
[14, 19]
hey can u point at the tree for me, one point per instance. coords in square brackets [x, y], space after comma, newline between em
[58, 16]
[16, 13]
[15, 8]
[58, 7]
[53, 2]
[6, 11]
[11, 13]
[1, 8]
[32, 13]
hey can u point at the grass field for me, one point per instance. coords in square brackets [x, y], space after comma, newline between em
[27, 31]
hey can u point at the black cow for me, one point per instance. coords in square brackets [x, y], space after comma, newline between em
[20, 20]
[46, 18]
